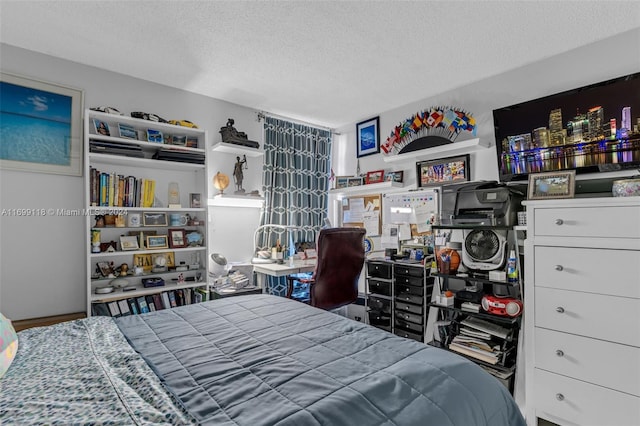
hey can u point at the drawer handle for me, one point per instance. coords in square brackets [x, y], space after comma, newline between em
[559, 268]
[560, 310]
[559, 352]
[560, 397]
[559, 221]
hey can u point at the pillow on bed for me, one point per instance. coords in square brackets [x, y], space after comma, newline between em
[8, 344]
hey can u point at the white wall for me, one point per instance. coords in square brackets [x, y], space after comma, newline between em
[609, 58]
[42, 259]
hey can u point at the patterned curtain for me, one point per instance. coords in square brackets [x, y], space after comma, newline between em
[295, 181]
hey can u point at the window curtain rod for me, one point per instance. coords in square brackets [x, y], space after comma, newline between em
[262, 114]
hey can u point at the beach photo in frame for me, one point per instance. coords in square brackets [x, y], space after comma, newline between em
[368, 137]
[376, 176]
[443, 171]
[41, 126]
[157, 242]
[552, 185]
[342, 182]
[394, 176]
[126, 131]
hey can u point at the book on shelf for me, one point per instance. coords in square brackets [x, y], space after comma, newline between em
[157, 301]
[474, 353]
[124, 307]
[142, 304]
[486, 326]
[114, 311]
[133, 306]
[172, 298]
[100, 309]
[151, 303]
[166, 303]
[116, 190]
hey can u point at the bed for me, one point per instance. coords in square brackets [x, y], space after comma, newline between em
[246, 360]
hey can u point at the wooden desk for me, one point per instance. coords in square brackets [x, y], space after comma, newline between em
[281, 270]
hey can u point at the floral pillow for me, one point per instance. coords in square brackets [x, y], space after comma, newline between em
[8, 344]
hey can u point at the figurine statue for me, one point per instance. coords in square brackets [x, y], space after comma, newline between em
[238, 175]
[231, 135]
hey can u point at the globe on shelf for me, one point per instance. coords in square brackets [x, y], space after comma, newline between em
[220, 182]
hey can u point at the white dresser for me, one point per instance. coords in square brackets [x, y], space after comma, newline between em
[582, 311]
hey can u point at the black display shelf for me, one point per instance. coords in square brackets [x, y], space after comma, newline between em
[483, 315]
[475, 279]
[498, 367]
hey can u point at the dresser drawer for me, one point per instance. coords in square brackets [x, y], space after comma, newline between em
[609, 318]
[379, 286]
[406, 280]
[582, 358]
[582, 403]
[614, 272]
[411, 271]
[379, 269]
[407, 307]
[409, 298]
[608, 222]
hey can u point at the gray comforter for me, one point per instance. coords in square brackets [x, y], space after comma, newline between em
[265, 360]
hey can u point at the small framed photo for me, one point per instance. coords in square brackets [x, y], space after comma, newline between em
[192, 142]
[129, 243]
[154, 219]
[443, 171]
[157, 242]
[154, 136]
[376, 176]
[342, 182]
[195, 200]
[355, 181]
[179, 140]
[127, 131]
[104, 268]
[368, 137]
[394, 176]
[102, 128]
[194, 238]
[550, 185]
[177, 238]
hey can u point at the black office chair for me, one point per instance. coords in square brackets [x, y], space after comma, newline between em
[340, 260]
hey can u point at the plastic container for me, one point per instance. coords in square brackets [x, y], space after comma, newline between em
[512, 271]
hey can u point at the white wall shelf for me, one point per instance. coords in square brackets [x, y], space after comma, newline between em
[455, 148]
[230, 148]
[228, 200]
[372, 188]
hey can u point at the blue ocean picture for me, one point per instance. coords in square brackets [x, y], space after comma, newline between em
[35, 125]
[368, 137]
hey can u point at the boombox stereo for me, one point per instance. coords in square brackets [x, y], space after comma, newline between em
[504, 306]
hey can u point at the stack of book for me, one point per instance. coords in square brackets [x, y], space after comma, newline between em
[477, 339]
[114, 190]
[152, 302]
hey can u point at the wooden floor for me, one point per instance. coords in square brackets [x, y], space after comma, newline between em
[40, 322]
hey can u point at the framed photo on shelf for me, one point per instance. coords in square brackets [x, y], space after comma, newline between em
[154, 219]
[101, 127]
[368, 137]
[179, 140]
[126, 131]
[154, 136]
[104, 268]
[443, 171]
[551, 185]
[342, 182]
[177, 238]
[394, 176]
[194, 200]
[129, 243]
[157, 242]
[375, 176]
[52, 113]
[192, 142]
[355, 181]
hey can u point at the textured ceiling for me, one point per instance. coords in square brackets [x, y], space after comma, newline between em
[325, 62]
